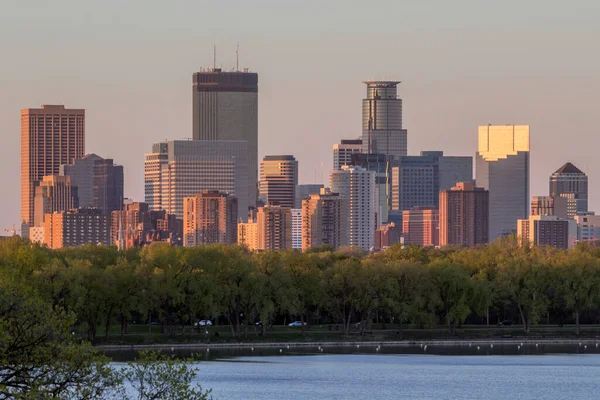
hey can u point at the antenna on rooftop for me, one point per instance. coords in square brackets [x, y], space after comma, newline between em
[237, 58]
[214, 56]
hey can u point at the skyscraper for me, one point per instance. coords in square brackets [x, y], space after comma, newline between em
[382, 121]
[342, 152]
[225, 107]
[464, 215]
[181, 168]
[503, 168]
[570, 180]
[99, 182]
[274, 227]
[50, 136]
[379, 164]
[209, 217]
[278, 180]
[356, 186]
[297, 228]
[54, 193]
[421, 226]
[324, 221]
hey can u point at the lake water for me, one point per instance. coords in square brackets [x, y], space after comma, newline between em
[369, 376]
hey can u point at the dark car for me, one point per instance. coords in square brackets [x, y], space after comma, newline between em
[506, 323]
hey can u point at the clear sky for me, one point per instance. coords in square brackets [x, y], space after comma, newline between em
[463, 63]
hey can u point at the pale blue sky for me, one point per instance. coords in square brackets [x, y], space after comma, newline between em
[463, 63]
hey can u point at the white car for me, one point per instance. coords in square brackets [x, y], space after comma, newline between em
[204, 322]
[297, 323]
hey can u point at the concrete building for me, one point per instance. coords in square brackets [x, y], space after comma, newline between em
[303, 192]
[99, 182]
[278, 180]
[502, 168]
[418, 180]
[248, 235]
[356, 187]
[588, 228]
[76, 227]
[382, 131]
[324, 221]
[547, 230]
[343, 151]
[209, 217]
[54, 193]
[136, 226]
[548, 205]
[274, 227]
[225, 107]
[182, 168]
[297, 228]
[569, 181]
[50, 136]
[387, 235]
[464, 215]
[379, 164]
[421, 226]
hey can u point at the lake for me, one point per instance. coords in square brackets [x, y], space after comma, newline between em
[405, 372]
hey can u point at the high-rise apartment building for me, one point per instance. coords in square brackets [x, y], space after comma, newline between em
[209, 217]
[225, 107]
[76, 227]
[278, 180]
[342, 152]
[324, 221]
[182, 168]
[99, 181]
[421, 226]
[379, 164]
[502, 167]
[303, 192]
[418, 180]
[297, 228]
[548, 205]
[356, 187]
[547, 230]
[248, 235]
[569, 181]
[54, 193]
[464, 215]
[382, 131]
[50, 136]
[274, 227]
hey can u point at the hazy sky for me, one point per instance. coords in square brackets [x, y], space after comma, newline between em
[463, 63]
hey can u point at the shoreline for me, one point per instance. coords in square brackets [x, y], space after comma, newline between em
[398, 343]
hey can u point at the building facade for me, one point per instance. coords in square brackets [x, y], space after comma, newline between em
[324, 221]
[248, 235]
[55, 193]
[225, 107]
[570, 182]
[303, 192]
[588, 228]
[464, 215]
[421, 226]
[548, 205]
[379, 164]
[297, 228]
[278, 180]
[50, 136]
[181, 168]
[76, 227]
[387, 235]
[547, 230]
[209, 217]
[382, 131]
[502, 168]
[343, 151]
[356, 187]
[274, 226]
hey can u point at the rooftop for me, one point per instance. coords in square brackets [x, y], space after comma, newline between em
[382, 84]
[568, 168]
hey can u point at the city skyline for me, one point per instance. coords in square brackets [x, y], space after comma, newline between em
[501, 92]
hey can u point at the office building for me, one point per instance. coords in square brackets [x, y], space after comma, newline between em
[418, 180]
[356, 187]
[278, 180]
[324, 221]
[136, 226]
[502, 168]
[548, 205]
[76, 227]
[387, 235]
[50, 136]
[225, 107]
[547, 230]
[54, 193]
[588, 228]
[464, 215]
[209, 217]
[274, 227]
[421, 226]
[297, 228]
[248, 235]
[182, 168]
[382, 131]
[569, 181]
[343, 151]
[99, 182]
[303, 192]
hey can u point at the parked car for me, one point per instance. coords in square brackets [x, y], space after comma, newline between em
[506, 323]
[204, 322]
[297, 323]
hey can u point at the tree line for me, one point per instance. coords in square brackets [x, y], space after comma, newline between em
[101, 287]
